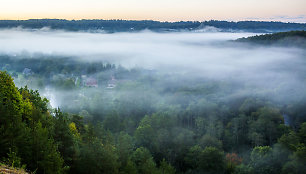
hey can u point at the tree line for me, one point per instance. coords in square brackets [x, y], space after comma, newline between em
[133, 25]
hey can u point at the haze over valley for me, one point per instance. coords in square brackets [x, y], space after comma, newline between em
[113, 96]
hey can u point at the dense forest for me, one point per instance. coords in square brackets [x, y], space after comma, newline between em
[118, 120]
[291, 39]
[130, 25]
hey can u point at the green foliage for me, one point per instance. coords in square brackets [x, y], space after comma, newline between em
[243, 169]
[12, 111]
[22, 132]
[209, 159]
[13, 160]
[34, 97]
[118, 132]
[144, 161]
[63, 136]
[166, 168]
[44, 157]
[264, 128]
[212, 160]
[113, 123]
[297, 161]
[290, 140]
[302, 133]
[260, 152]
[207, 141]
[125, 147]
[262, 160]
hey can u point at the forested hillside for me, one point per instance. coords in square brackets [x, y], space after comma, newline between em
[248, 135]
[292, 38]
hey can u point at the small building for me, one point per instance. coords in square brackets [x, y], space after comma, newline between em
[91, 82]
[112, 83]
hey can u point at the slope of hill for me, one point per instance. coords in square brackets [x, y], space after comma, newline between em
[292, 38]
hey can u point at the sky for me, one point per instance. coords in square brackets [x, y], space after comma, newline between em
[161, 10]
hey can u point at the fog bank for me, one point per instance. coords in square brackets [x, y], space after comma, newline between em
[189, 54]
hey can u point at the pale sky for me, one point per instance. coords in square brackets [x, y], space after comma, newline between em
[162, 10]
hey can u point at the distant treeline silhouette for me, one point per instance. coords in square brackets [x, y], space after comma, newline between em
[134, 25]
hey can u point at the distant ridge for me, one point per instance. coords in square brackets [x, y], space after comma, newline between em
[133, 25]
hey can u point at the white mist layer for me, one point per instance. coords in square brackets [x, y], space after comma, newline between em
[203, 53]
[208, 55]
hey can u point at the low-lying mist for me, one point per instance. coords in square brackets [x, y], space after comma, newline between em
[179, 60]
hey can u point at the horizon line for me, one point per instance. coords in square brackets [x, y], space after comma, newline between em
[246, 20]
